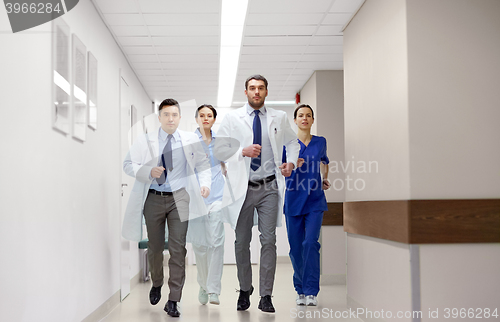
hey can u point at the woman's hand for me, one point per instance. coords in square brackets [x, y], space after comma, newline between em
[326, 184]
[205, 192]
[223, 168]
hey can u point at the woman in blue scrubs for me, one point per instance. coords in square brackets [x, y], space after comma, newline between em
[305, 203]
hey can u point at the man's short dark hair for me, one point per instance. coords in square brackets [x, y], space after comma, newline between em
[169, 102]
[301, 106]
[207, 106]
[257, 77]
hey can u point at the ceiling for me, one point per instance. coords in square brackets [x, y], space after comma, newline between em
[173, 46]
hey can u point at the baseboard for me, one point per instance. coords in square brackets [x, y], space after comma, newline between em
[283, 260]
[104, 309]
[136, 280]
[332, 279]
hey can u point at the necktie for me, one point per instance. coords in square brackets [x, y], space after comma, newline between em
[257, 139]
[166, 160]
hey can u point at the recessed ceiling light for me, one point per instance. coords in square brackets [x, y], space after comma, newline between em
[232, 21]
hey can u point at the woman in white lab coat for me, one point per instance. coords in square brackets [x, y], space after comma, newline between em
[207, 233]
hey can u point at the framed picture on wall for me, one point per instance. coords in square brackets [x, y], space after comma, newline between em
[61, 89]
[92, 91]
[79, 89]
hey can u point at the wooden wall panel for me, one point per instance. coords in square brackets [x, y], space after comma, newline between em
[426, 221]
[334, 216]
[455, 221]
[380, 219]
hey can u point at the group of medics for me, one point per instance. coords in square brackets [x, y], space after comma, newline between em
[189, 184]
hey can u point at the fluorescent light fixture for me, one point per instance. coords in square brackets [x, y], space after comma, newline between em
[232, 21]
[280, 102]
[271, 103]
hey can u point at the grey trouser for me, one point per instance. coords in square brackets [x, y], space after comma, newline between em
[265, 199]
[158, 210]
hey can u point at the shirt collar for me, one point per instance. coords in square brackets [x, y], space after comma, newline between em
[163, 135]
[250, 109]
[200, 136]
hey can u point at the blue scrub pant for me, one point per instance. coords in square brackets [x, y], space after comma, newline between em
[303, 234]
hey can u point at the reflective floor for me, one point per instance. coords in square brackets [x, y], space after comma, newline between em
[136, 306]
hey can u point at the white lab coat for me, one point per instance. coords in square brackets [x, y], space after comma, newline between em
[237, 125]
[142, 157]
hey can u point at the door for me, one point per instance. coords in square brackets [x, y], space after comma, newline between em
[126, 185]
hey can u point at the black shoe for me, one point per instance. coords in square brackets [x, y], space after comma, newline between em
[265, 304]
[244, 299]
[171, 309]
[155, 295]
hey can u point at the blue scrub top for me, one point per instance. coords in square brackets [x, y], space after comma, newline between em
[304, 193]
[217, 188]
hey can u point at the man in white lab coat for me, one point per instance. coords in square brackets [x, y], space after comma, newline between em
[166, 191]
[255, 183]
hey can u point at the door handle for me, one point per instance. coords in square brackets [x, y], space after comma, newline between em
[123, 185]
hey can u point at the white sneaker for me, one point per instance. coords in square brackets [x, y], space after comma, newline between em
[214, 298]
[301, 299]
[311, 300]
[202, 296]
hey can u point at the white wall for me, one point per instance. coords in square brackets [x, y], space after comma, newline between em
[60, 197]
[308, 95]
[376, 100]
[454, 98]
[378, 274]
[422, 99]
[459, 276]
[330, 124]
[333, 254]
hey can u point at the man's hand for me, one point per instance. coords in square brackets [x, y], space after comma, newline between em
[300, 162]
[205, 191]
[286, 169]
[251, 151]
[326, 184]
[157, 171]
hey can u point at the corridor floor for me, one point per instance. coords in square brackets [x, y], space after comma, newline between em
[136, 307]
